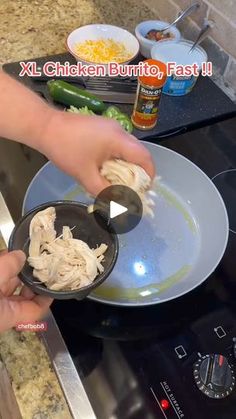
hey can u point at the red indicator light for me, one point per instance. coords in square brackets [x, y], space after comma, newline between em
[221, 360]
[165, 404]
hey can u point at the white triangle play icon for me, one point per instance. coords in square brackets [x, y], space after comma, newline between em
[116, 209]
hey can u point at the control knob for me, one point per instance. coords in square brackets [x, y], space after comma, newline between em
[214, 376]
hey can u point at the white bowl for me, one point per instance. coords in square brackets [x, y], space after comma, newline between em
[178, 53]
[143, 28]
[98, 31]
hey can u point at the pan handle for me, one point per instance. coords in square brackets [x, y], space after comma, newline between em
[181, 130]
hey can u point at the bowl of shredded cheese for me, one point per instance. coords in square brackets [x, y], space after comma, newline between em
[102, 44]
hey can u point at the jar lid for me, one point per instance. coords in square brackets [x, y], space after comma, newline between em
[156, 80]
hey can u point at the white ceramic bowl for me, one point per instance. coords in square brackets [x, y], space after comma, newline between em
[98, 31]
[143, 28]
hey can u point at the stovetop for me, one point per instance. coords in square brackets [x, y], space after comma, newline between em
[172, 360]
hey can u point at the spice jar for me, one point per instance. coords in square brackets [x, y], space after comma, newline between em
[146, 107]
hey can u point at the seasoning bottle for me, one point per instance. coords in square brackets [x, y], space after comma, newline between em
[146, 107]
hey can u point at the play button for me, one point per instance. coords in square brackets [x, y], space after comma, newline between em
[121, 207]
[116, 209]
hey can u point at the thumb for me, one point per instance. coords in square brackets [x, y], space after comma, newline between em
[16, 309]
[11, 264]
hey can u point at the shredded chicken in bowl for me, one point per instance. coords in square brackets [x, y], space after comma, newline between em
[61, 263]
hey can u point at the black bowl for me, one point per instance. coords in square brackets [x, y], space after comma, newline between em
[71, 214]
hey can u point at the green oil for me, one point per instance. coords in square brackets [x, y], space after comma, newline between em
[155, 289]
[172, 200]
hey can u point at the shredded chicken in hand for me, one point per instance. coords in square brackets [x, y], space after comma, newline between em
[61, 263]
[120, 172]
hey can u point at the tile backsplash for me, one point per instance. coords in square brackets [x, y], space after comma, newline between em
[221, 42]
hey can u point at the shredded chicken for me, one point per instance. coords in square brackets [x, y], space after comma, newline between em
[120, 172]
[61, 263]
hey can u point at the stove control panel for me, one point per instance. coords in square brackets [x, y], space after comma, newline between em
[214, 376]
[192, 374]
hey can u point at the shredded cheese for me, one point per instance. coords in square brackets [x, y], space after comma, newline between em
[102, 51]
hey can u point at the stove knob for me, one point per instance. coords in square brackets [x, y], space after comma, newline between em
[214, 376]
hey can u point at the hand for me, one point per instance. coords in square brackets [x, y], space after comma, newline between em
[79, 145]
[25, 307]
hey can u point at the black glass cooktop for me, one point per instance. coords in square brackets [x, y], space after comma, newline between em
[177, 359]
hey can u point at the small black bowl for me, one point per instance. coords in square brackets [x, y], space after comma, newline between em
[72, 214]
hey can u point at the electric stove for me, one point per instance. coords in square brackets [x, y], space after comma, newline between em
[171, 360]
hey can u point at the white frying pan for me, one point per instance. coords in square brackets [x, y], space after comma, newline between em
[165, 257]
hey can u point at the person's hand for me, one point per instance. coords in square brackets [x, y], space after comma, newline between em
[25, 307]
[79, 145]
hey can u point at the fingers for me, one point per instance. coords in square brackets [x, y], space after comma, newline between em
[128, 149]
[94, 182]
[33, 306]
[27, 293]
[29, 310]
[134, 152]
[9, 287]
[11, 264]
[16, 310]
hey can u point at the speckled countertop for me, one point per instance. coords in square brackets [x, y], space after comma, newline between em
[33, 28]
[30, 28]
[34, 382]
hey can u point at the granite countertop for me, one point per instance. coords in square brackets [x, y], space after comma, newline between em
[31, 28]
[38, 393]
